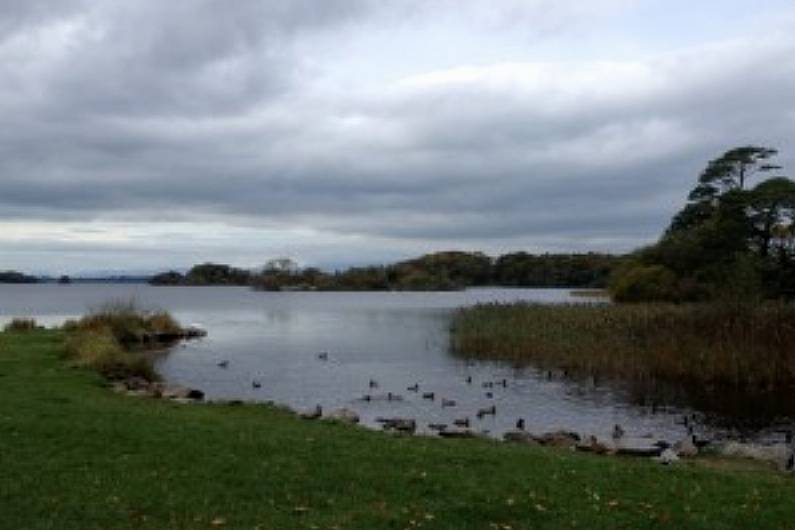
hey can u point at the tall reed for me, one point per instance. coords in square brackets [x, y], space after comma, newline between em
[744, 346]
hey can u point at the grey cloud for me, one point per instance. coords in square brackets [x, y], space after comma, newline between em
[190, 111]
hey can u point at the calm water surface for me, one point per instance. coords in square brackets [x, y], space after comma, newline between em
[396, 340]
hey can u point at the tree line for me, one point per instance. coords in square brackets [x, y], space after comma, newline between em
[449, 270]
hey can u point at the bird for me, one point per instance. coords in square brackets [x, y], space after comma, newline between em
[489, 395]
[414, 388]
[437, 426]
[488, 384]
[223, 364]
[256, 384]
[488, 411]
[504, 383]
[373, 383]
[448, 403]
[429, 395]
[469, 379]
[323, 356]
[520, 424]
[618, 431]
[461, 422]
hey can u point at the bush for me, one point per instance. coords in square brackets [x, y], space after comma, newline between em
[644, 283]
[20, 325]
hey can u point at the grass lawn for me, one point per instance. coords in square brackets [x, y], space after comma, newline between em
[75, 455]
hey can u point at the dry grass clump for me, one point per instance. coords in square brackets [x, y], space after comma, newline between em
[743, 346]
[19, 325]
[112, 339]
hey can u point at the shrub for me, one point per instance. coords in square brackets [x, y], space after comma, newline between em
[644, 283]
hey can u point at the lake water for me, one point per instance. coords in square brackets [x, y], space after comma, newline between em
[396, 340]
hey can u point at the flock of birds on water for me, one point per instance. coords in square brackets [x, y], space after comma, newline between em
[618, 432]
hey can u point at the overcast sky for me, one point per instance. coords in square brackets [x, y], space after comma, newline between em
[147, 135]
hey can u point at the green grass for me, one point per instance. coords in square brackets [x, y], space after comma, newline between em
[744, 347]
[74, 455]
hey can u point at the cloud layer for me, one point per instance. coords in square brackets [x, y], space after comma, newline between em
[152, 134]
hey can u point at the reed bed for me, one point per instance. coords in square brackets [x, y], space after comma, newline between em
[751, 347]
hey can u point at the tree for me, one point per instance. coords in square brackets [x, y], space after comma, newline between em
[732, 170]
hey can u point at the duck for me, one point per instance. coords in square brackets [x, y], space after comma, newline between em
[373, 383]
[520, 424]
[439, 427]
[223, 364]
[489, 395]
[429, 395]
[414, 388]
[469, 379]
[503, 383]
[488, 384]
[322, 356]
[448, 403]
[256, 384]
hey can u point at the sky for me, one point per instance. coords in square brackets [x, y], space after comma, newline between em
[149, 135]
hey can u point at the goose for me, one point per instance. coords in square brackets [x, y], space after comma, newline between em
[223, 364]
[488, 384]
[256, 384]
[429, 395]
[469, 380]
[520, 424]
[414, 388]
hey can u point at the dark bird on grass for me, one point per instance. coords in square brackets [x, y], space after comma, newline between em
[223, 364]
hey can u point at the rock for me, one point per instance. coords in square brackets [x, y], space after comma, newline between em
[559, 439]
[344, 416]
[685, 448]
[519, 437]
[194, 332]
[638, 447]
[398, 424]
[667, 457]
[458, 434]
[137, 383]
[313, 414]
[593, 445]
[778, 454]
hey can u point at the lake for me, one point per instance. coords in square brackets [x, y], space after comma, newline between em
[378, 343]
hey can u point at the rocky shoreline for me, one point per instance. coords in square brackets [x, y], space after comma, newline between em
[781, 455]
